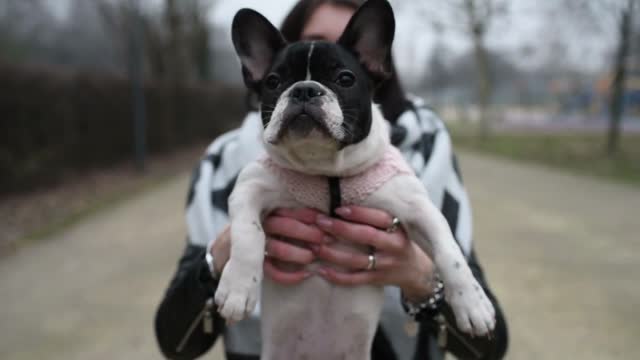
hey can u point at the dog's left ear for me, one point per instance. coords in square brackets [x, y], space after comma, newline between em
[257, 42]
[369, 35]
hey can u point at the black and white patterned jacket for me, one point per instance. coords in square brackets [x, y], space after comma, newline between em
[424, 141]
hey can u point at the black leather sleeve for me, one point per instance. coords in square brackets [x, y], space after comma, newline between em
[183, 302]
[463, 345]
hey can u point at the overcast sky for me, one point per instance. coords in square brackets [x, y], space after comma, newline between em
[525, 28]
[528, 26]
[409, 58]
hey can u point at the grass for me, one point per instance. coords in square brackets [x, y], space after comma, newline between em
[581, 153]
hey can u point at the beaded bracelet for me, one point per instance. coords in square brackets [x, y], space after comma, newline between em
[431, 306]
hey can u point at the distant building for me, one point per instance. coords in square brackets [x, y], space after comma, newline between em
[603, 88]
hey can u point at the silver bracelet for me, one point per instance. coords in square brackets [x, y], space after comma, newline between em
[431, 304]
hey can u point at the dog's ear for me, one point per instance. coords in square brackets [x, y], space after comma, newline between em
[369, 35]
[256, 42]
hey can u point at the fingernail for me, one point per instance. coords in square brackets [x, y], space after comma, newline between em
[321, 272]
[324, 221]
[343, 211]
[327, 239]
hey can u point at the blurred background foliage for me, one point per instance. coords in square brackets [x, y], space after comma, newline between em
[66, 101]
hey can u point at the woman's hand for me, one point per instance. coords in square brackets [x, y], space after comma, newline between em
[399, 261]
[290, 233]
[296, 237]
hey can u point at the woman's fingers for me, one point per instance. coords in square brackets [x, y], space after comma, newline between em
[292, 229]
[287, 252]
[363, 215]
[284, 277]
[305, 215]
[350, 259]
[350, 279]
[362, 234]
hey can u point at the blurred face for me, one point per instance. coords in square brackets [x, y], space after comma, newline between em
[327, 23]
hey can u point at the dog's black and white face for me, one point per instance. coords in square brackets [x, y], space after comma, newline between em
[316, 97]
[316, 89]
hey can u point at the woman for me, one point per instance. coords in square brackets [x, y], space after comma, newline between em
[416, 323]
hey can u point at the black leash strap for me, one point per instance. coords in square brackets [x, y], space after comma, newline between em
[335, 197]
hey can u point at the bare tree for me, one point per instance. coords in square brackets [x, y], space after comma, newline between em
[616, 103]
[118, 19]
[25, 29]
[176, 54]
[437, 74]
[478, 16]
[614, 18]
[189, 38]
[201, 38]
[177, 37]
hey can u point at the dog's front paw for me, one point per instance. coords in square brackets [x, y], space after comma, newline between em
[473, 310]
[237, 293]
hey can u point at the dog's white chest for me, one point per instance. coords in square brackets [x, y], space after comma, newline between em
[313, 191]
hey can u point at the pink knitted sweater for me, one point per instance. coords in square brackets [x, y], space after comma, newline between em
[313, 190]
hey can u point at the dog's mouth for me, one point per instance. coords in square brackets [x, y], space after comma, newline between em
[303, 121]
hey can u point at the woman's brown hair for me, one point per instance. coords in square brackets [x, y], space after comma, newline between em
[298, 17]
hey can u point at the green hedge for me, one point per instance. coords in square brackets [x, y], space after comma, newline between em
[53, 122]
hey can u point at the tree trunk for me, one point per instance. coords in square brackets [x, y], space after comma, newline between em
[199, 42]
[176, 57]
[478, 28]
[616, 106]
[136, 71]
[176, 67]
[484, 83]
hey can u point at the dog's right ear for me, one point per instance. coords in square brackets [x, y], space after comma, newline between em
[256, 42]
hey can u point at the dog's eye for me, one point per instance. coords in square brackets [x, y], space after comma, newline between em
[346, 79]
[272, 81]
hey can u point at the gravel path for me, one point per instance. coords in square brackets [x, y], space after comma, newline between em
[562, 253]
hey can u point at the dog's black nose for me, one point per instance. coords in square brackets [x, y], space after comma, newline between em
[306, 92]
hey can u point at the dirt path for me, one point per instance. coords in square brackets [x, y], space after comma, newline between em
[90, 292]
[562, 252]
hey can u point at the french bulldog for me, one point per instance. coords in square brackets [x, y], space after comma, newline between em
[320, 123]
